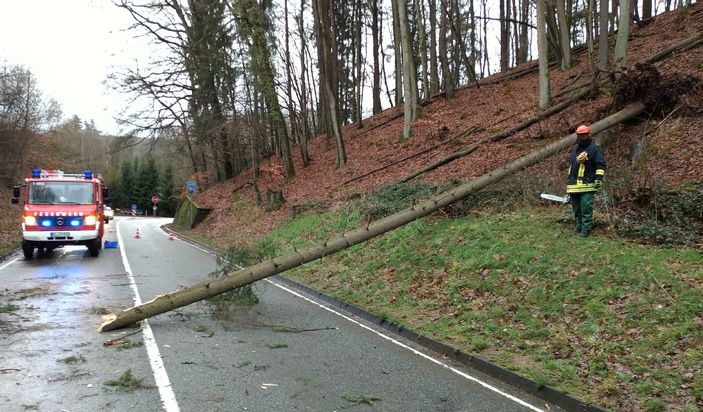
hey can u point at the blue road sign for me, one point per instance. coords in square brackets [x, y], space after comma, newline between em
[191, 187]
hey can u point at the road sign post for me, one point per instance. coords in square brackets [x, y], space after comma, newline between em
[155, 200]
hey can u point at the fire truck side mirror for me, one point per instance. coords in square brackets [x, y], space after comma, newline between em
[105, 193]
[15, 195]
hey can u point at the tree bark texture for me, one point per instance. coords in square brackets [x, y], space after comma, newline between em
[375, 50]
[434, 67]
[409, 69]
[564, 35]
[253, 27]
[248, 275]
[543, 52]
[397, 56]
[603, 31]
[504, 7]
[303, 122]
[419, 12]
[620, 53]
[447, 82]
[327, 66]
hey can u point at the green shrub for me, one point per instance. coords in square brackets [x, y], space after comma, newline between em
[394, 198]
[665, 217]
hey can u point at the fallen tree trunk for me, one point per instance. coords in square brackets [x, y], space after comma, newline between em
[689, 43]
[502, 135]
[421, 152]
[583, 92]
[214, 287]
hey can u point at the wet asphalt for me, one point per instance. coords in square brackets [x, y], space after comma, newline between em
[287, 353]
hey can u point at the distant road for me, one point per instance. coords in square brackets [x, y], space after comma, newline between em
[289, 352]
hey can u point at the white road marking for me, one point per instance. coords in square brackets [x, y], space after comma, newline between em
[416, 352]
[168, 397]
[402, 345]
[9, 263]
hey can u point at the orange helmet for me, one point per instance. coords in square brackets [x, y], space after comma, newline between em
[583, 129]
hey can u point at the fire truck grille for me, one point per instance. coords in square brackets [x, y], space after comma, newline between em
[67, 222]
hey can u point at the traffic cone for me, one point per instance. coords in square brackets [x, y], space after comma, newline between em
[137, 235]
[170, 235]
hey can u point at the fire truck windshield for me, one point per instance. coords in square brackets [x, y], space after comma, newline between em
[54, 193]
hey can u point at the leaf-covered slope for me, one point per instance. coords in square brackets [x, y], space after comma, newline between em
[673, 141]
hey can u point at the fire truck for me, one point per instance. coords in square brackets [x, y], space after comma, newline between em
[62, 209]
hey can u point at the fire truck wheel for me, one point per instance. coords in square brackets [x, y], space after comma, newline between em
[27, 249]
[94, 247]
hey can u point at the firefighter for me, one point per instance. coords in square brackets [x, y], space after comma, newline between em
[586, 172]
[43, 194]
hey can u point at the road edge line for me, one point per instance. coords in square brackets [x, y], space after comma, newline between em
[168, 397]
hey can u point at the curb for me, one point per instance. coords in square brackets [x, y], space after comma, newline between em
[546, 393]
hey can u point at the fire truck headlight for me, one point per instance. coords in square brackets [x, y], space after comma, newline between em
[30, 220]
[90, 220]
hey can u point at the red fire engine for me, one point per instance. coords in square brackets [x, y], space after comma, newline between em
[62, 209]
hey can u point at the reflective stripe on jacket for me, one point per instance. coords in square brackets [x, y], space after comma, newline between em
[582, 176]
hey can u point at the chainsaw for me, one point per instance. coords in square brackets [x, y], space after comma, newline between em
[555, 198]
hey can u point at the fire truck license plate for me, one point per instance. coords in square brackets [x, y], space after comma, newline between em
[60, 234]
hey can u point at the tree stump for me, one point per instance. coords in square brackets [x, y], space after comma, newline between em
[274, 200]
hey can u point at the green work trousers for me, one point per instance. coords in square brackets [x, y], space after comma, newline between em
[582, 204]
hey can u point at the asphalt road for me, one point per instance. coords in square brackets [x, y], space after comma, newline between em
[287, 353]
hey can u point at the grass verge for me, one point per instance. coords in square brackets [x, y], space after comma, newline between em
[609, 321]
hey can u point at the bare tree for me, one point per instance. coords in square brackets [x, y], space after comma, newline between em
[420, 22]
[397, 47]
[188, 83]
[303, 123]
[21, 115]
[251, 274]
[603, 31]
[376, 53]
[289, 77]
[443, 44]
[434, 65]
[543, 51]
[322, 11]
[253, 29]
[589, 33]
[564, 35]
[523, 49]
[620, 54]
[504, 7]
[409, 70]
[358, 63]
[646, 9]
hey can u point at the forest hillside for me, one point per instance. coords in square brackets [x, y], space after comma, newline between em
[606, 321]
[621, 363]
[660, 149]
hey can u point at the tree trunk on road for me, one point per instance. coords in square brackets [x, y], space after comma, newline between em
[214, 287]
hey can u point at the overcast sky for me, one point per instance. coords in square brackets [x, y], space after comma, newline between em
[70, 46]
